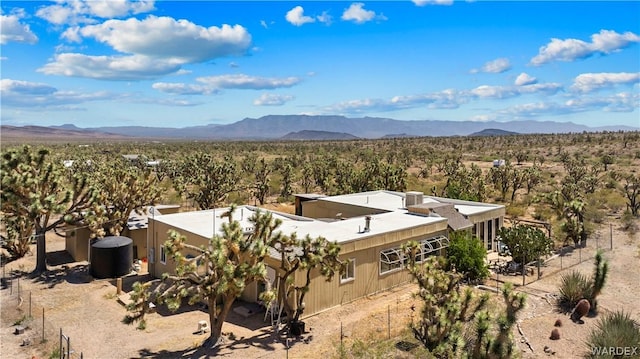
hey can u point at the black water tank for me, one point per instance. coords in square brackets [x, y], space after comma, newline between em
[111, 257]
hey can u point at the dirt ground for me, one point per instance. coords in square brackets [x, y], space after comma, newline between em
[88, 312]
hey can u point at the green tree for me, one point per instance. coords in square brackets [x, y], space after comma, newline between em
[303, 255]
[18, 238]
[499, 343]
[500, 177]
[121, 189]
[260, 187]
[36, 190]
[445, 306]
[526, 243]
[466, 254]
[206, 180]
[220, 272]
[607, 160]
[574, 226]
[631, 190]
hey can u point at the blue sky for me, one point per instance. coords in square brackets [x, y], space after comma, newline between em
[176, 64]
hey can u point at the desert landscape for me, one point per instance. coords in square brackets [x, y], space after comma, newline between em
[88, 312]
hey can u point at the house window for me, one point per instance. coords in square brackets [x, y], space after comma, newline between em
[490, 234]
[430, 247]
[350, 273]
[163, 255]
[391, 259]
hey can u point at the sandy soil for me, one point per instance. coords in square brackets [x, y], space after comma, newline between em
[89, 313]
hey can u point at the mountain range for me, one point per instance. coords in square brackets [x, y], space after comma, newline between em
[273, 127]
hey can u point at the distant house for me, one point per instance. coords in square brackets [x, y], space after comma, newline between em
[370, 227]
[131, 158]
[78, 237]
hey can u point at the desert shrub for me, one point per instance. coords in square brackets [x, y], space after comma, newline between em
[516, 210]
[573, 287]
[466, 254]
[615, 329]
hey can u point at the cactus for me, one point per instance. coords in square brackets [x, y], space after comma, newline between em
[581, 309]
[599, 278]
[555, 334]
[558, 323]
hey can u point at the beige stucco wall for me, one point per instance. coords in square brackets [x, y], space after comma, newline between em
[77, 241]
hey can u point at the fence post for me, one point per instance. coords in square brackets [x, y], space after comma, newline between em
[43, 325]
[611, 236]
[60, 351]
[30, 315]
[389, 321]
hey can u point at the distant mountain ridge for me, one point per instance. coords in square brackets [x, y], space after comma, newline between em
[276, 126]
[318, 135]
[493, 132]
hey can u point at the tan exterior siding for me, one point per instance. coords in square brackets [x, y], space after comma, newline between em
[367, 280]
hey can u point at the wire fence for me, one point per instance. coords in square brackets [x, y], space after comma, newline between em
[31, 326]
[564, 258]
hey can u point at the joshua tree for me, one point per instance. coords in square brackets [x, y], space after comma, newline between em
[445, 306]
[303, 255]
[219, 273]
[35, 190]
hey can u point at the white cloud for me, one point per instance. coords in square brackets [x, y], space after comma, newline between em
[272, 100]
[604, 42]
[495, 66]
[213, 84]
[594, 81]
[15, 31]
[621, 102]
[296, 16]
[356, 13]
[241, 81]
[116, 8]
[154, 47]
[72, 12]
[432, 2]
[32, 96]
[17, 87]
[165, 37]
[445, 99]
[325, 18]
[135, 67]
[498, 92]
[525, 79]
[549, 88]
[183, 89]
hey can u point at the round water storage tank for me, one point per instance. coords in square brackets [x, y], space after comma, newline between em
[111, 257]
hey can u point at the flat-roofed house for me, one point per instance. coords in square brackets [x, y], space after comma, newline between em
[370, 227]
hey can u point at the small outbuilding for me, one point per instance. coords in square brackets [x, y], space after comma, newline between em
[111, 257]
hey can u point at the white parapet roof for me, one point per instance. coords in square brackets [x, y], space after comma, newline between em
[202, 223]
[395, 201]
